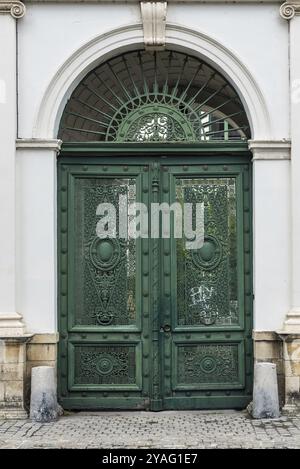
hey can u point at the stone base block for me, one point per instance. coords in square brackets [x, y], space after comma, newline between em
[268, 348]
[12, 376]
[13, 414]
[291, 361]
[41, 351]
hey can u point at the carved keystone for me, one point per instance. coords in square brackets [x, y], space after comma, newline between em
[154, 24]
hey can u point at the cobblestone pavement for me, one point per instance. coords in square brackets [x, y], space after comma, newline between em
[189, 429]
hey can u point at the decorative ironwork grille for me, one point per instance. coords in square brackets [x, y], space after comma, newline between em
[161, 97]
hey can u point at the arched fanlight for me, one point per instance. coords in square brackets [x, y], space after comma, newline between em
[162, 96]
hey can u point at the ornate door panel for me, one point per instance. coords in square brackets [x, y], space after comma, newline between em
[104, 293]
[207, 293]
[149, 323]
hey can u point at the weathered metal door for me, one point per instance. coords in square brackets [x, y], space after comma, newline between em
[146, 322]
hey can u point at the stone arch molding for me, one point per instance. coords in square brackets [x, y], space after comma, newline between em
[130, 37]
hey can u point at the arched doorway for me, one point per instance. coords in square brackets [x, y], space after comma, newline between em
[147, 322]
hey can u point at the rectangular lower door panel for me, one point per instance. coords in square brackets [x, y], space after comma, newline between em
[105, 367]
[208, 365]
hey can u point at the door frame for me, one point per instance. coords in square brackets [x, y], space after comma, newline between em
[210, 153]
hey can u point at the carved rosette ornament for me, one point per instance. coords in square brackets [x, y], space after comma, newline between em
[17, 9]
[290, 9]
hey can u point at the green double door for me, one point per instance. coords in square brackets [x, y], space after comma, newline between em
[149, 321]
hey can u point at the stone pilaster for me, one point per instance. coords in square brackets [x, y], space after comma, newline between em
[290, 333]
[13, 338]
[290, 10]
[10, 320]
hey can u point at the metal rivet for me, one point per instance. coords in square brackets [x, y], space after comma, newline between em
[105, 394]
[146, 355]
[185, 168]
[63, 188]
[83, 336]
[146, 168]
[85, 168]
[207, 336]
[104, 336]
[146, 336]
[228, 393]
[125, 168]
[225, 168]
[104, 168]
[146, 315]
[126, 336]
[205, 167]
[64, 250]
[228, 336]
[208, 393]
[187, 393]
[64, 230]
[188, 336]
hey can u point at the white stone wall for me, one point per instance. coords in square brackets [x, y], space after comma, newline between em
[256, 38]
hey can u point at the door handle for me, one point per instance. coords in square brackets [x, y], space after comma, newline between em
[165, 328]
